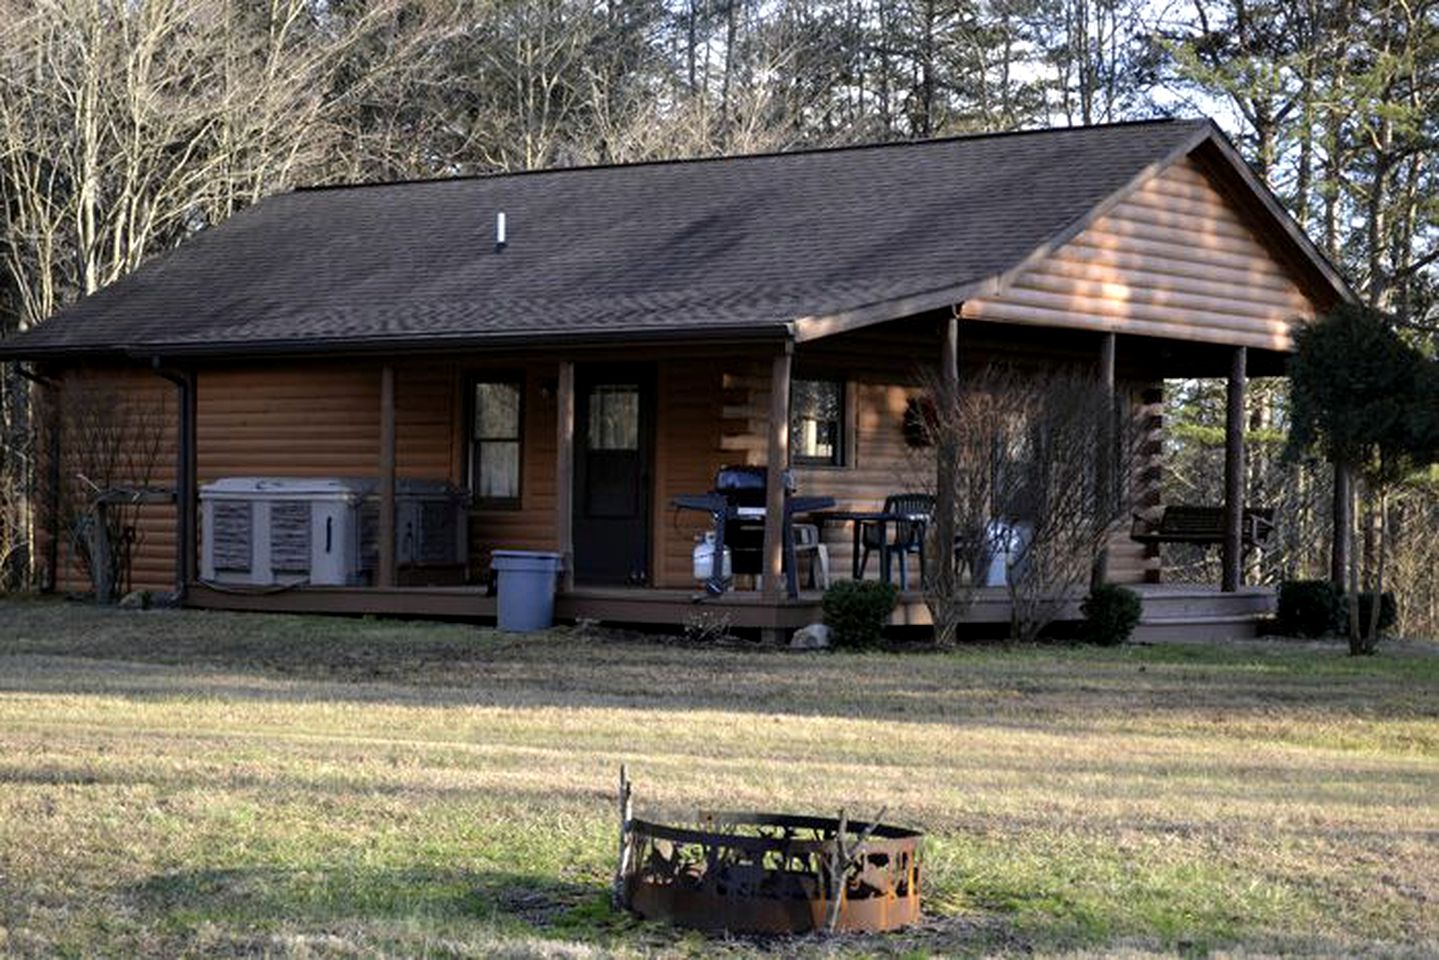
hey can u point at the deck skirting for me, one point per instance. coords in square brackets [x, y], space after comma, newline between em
[1170, 612]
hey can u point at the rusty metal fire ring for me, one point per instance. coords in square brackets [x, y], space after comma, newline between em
[772, 873]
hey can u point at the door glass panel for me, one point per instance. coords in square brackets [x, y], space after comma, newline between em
[615, 417]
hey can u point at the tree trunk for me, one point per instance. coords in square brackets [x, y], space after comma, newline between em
[1355, 641]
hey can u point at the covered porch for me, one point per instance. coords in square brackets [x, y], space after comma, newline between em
[692, 411]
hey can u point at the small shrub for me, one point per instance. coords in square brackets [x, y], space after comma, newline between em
[707, 627]
[857, 611]
[1309, 608]
[1388, 613]
[1111, 613]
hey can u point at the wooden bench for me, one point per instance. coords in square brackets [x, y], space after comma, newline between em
[1203, 525]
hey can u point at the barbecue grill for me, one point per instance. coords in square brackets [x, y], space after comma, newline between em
[737, 505]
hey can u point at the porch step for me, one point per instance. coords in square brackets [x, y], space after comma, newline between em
[1179, 604]
[1161, 629]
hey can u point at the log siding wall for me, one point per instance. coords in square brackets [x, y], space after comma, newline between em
[531, 525]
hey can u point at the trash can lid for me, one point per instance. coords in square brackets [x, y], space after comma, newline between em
[532, 561]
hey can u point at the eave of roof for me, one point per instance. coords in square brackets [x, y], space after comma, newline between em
[408, 345]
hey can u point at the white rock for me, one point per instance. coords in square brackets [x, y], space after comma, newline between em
[813, 637]
[135, 600]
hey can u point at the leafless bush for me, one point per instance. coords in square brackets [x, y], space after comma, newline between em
[16, 482]
[1413, 519]
[708, 627]
[111, 443]
[1043, 470]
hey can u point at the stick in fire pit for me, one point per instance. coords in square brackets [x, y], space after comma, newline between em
[841, 859]
[626, 814]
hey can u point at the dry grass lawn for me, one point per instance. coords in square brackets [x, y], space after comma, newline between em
[182, 783]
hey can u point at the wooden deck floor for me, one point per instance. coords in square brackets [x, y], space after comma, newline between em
[1170, 611]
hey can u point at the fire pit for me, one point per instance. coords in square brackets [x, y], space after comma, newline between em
[770, 873]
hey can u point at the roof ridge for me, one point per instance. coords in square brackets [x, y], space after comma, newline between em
[763, 155]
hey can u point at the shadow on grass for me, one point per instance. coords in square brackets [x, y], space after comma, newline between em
[315, 895]
[245, 902]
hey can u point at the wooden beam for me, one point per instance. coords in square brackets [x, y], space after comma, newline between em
[777, 462]
[565, 472]
[385, 568]
[1233, 554]
[1104, 474]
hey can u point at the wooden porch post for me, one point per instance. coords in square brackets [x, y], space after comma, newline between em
[1104, 474]
[565, 472]
[1233, 554]
[385, 568]
[185, 489]
[185, 497]
[945, 466]
[777, 462]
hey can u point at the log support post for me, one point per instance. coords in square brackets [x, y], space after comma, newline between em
[565, 473]
[777, 462]
[186, 495]
[385, 567]
[945, 448]
[1233, 550]
[56, 421]
[185, 477]
[1105, 480]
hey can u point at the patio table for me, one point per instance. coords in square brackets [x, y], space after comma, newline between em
[719, 507]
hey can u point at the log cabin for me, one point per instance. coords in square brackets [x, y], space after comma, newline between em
[570, 350]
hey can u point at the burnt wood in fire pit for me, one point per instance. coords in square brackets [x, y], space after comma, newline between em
[772, 873]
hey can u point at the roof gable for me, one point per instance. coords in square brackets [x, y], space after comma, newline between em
[1173, 257]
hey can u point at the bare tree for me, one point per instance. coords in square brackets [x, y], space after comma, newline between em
[126, 126]
[1027, 449]
[113, 441]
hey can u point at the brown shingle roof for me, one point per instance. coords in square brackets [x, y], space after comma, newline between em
[731, 246]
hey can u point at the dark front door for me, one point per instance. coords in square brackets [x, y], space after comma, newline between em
[614, 427]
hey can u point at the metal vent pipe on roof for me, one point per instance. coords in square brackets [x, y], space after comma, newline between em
[499, 231]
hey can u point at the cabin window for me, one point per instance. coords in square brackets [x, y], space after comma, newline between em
[495, 443]
[816, 424]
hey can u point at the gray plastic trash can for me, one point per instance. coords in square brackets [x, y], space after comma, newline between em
[526, 589]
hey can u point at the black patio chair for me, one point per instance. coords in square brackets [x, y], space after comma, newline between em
[908, 535]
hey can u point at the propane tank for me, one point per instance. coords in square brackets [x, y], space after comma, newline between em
[704, 555]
